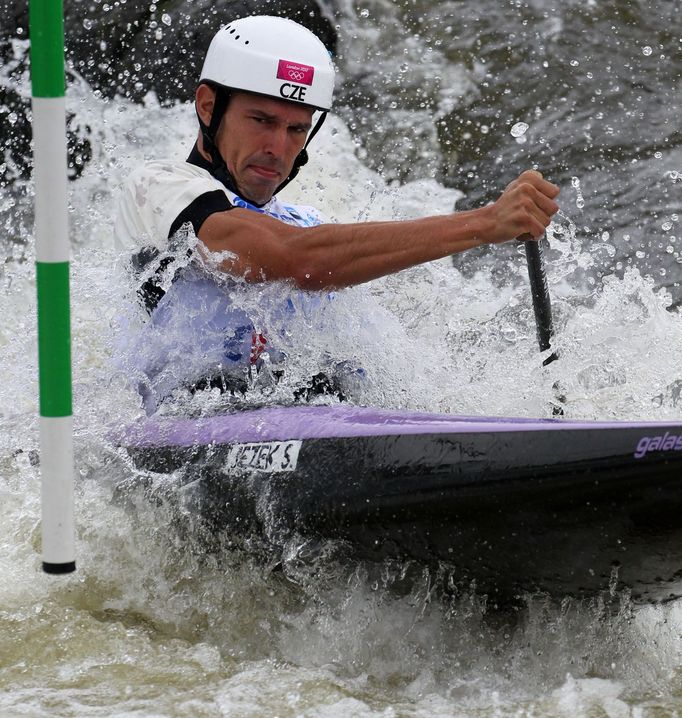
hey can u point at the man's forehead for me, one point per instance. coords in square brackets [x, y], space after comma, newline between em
[282, 109]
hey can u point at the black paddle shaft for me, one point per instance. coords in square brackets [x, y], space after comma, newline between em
[542, 305]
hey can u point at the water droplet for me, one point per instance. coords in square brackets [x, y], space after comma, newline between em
[580, 203]
[639, 254]
[670, 249]
[575, 182]
[658, 155]
[667, 226]
[674, 217]
[88, 23]
[605, 236]
[159, 34]
[166, 19]
[519, 129]
[364, 13]
[574, 63]
[12, 118]
[646, 50]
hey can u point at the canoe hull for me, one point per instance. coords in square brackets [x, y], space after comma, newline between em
[566, 508]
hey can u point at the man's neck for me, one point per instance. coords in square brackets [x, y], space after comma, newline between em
[199, 157]
[199, 145]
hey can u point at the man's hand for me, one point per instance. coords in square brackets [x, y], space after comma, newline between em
[524, 209]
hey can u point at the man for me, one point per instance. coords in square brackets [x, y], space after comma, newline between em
[262, 83]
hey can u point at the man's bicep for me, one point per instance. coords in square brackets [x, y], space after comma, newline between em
[260, 246]
[243, 230]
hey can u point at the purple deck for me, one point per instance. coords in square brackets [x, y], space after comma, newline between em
[340, 421]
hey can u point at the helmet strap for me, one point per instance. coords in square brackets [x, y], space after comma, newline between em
[209, 133]
[302, 157]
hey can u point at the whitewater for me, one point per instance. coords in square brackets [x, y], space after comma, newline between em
[152, 625]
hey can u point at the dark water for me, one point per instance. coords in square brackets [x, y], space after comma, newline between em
[597, 83]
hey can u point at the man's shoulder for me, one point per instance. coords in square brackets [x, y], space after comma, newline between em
[154, 195]
[170, 171]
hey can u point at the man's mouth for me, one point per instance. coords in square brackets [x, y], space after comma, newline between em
[265, 172]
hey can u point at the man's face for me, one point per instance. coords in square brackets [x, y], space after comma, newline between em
[259, 138]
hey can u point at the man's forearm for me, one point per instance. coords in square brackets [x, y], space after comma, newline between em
[335, 256]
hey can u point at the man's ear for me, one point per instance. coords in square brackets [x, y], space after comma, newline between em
[205, 100]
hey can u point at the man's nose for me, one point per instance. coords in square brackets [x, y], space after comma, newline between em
[276, 141]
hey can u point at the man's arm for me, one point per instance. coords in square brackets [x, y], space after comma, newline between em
[261, 248]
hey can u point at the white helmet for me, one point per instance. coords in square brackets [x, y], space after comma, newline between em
[271, 56]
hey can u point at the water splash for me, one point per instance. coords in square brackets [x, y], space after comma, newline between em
[518, 132]
[151, 611]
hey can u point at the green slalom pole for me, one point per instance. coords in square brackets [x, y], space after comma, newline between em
[46, 26]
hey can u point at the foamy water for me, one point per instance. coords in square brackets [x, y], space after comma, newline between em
[153, 625]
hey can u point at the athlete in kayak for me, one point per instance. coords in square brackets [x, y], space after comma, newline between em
[265, 88]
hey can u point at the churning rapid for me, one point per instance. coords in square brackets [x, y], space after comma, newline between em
[441, 104]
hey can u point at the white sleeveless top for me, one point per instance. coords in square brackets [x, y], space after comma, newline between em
[156, 194]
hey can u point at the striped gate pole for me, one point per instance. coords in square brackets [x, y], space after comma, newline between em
[46, 27]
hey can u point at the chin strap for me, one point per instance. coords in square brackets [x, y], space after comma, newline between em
[302, 157]
[218, 167]
[208, 134]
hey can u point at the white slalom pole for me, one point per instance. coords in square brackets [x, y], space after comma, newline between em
[52, 279]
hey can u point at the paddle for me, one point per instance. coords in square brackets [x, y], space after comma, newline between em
[542, 305]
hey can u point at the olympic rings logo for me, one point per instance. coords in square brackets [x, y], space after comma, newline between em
[295, 72]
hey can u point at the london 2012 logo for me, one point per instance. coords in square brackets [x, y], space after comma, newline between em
[295, 72]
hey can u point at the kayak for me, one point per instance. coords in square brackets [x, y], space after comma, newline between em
[513, 505]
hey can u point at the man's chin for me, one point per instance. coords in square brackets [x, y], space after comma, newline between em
[257, 194]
